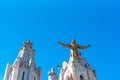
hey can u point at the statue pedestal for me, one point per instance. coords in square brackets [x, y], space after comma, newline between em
[74, 60]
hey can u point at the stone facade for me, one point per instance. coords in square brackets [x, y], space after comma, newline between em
[24, 67]
[75, 69]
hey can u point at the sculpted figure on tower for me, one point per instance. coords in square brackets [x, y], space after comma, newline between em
[74, 47]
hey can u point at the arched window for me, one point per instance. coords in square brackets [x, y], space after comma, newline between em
[81, 77]
[23, 75]
[34, 78]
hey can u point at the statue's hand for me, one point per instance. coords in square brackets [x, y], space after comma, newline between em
[89, 45]
[59, 42]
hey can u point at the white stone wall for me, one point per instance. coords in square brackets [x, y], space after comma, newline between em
[75, 68]
[8, 72]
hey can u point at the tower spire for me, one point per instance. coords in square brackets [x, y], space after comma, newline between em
[24, 66]
[28, 44]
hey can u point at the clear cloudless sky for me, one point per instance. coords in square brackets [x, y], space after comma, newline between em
[45, 22]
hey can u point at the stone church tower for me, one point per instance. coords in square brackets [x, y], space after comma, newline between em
[77, 67]
[24, 67]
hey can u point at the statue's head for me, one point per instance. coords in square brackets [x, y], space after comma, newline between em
[73, 41]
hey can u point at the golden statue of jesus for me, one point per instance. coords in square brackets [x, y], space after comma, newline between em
[74, 47]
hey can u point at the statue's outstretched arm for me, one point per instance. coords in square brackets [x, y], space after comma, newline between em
[64, 45]
[83, 47]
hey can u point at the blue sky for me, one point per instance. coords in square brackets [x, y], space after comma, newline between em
[45, 22]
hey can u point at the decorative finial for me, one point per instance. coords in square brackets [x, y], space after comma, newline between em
[28, 44]
[51, 72]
